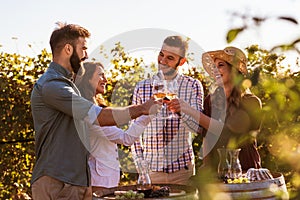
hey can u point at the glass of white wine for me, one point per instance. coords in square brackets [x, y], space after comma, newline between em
[172, 91]
[159, 92]
[159, 89]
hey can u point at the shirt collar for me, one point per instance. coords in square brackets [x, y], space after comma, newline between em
[60, 69]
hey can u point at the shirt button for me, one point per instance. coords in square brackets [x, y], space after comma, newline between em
[117, 158]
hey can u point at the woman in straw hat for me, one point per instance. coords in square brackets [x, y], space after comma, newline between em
[232, 114]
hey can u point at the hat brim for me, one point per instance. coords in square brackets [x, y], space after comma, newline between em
[208, 59]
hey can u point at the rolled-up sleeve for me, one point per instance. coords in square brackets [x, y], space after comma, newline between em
[92, 115]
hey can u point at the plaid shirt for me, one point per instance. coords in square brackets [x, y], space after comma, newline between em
[167, 143]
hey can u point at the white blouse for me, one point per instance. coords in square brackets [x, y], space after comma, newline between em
[104, 159]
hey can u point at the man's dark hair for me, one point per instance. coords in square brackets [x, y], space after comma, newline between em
[66, 34]
[177, 41]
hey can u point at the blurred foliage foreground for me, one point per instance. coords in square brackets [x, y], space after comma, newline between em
[278, 88]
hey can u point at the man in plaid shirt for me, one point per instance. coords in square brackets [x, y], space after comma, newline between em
[167, 143]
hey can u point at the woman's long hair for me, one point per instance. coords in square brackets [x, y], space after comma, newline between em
[83, 78]
[235, 97]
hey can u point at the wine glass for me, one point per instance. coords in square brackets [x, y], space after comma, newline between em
[159, 89]
[159, 92]
[172, 91]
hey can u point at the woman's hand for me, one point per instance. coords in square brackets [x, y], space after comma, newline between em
[176, 105]
[151, 107]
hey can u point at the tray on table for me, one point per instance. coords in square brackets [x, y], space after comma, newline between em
[176, 192]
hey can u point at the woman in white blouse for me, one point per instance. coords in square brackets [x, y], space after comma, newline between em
[103, 161]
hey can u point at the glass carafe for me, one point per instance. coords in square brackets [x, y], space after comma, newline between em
[223, 166]
[144, 181]
[235, 166]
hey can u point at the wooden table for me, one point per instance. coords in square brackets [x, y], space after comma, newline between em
[178, 192]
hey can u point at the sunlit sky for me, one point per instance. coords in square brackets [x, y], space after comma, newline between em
[205, 22]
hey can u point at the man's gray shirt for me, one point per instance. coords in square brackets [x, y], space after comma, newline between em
[58, 112]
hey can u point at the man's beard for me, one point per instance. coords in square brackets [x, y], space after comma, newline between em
[75, 62]
[171, 71]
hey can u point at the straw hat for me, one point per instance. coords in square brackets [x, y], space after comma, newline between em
[231, 55]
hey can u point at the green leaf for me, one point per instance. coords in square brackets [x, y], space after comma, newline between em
[231, 35]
